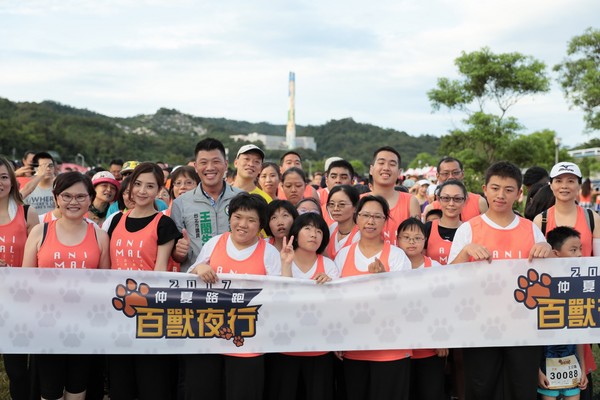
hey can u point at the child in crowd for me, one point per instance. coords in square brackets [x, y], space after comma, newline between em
[565, 242]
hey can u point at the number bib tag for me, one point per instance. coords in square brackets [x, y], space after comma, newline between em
[563, 373]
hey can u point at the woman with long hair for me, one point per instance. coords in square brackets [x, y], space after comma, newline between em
[68, 242]
[269, 179]
[16, 222]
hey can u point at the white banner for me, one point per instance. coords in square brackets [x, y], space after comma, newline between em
[506, 303]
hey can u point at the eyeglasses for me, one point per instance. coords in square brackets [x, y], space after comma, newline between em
[448, 199]
[455, 174]
[368, 216]
[80, 198]
[341, 206]
[408, 239]
[184, 183]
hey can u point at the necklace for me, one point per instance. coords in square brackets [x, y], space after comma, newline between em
[98, 213]
[344, 233]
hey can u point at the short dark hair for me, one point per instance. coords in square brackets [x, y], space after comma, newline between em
[559, 235]
[448, 160]
[287, 153]
[315, 220]
[434, 211]
[349, 190]
[185, 171]
[275, 205]
[542, 200]
[408, 223]
[534, 175]
[365, 199]
[42, 154]
[66, 180]
[294, 170]
[117, 161]
[450, 182]
[272, 165]
[209, 144]
[250, 202]
[310, 200]
[28, 152]
[387, 148]
[504, 169]
[121, 193]
[341, 164]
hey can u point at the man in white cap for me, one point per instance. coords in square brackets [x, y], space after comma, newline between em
[248, 164]
[565, 182]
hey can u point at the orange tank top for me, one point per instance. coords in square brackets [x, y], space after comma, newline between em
[330, 250]
[54, 254]
[222, 263]
[319, 270]
[471, 209]
[437, 248]
[398, 214]
[349, 269]
[134, 250]
[515, 243]
[323, 195]
[426, 262]
[12, 239]
[581, 226]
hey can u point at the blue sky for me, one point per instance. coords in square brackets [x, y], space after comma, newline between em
[372, 61]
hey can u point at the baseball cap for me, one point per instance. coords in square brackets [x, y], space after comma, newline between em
[129, 166]
[565, 168]
[250, 147]
[431, 189]
[330, 160]
[423, 182]
[105, 177]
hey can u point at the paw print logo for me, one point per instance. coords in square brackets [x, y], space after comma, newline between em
[130, 296]
[440, 330]
[309, 315]
[73, 292]
[3, 315]
[238, 341]
[493, 285]
[72, 336]
[281, 334]
[334, 333]
[362, 314]
[387, 332]
[122, 337]
[48, 274]
[493, 328]
[226, 333]
[21, 292]
[532, 287]
[386, 290]
[440, 287]
[414, 311]
[21, 336]
[48, 316]
[467, 310]
[99, 315]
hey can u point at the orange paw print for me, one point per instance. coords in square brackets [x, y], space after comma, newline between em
[225, 333]
[532, 287]
[130, 296]
[238, 341]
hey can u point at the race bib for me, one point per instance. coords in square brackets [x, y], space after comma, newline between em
[563, 373]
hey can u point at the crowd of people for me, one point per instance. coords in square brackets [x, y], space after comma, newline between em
[270, 219]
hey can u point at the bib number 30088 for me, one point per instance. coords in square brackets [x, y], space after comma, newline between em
[563, 372]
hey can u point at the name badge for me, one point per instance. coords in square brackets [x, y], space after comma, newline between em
[563, 373]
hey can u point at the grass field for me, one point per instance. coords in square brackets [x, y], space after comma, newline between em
[4, 395]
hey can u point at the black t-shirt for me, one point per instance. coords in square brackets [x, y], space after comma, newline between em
[166, 230]
[445, 233]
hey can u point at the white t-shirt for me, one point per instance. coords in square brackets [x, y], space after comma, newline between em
[272, 258]
[464, 235]
[398, 261]
[331, 270]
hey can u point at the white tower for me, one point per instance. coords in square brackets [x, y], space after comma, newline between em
[290, 131]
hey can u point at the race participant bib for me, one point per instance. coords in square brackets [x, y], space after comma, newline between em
[563, 373]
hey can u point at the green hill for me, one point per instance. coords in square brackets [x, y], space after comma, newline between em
[170, 136]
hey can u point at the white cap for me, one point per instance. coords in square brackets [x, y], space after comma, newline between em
[250, 147]
[423, 182]
[565, 168]
[431, 189]
[330, 160]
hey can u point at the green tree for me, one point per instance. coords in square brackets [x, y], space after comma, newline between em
[487, 81]
[423, 159]
[579, 75]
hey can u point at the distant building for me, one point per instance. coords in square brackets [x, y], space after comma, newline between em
[271, 142]
[583, 153]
